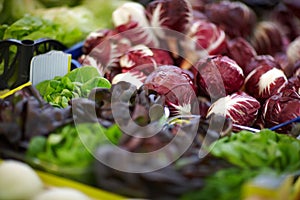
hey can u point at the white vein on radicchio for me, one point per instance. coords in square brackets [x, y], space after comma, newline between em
[102, 49]
[205, 35]
[265, 81]
[138, 62]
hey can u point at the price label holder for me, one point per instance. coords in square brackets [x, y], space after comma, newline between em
[49, 65]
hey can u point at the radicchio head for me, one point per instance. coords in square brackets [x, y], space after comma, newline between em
[240, 107]
[169, 14]
[130, 20]
[138, 62]
[105, 52]
[206, 36]
[280, 108]
[267, 38]
[236, 18]
[287, 21]
[293, 51]
[218, 76]
[241, 51]
[265, 81]
[143, 58]
[257, 61]
[95, 38]
[178, 88]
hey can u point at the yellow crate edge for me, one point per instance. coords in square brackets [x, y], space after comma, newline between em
[10, 92]
[95, 193]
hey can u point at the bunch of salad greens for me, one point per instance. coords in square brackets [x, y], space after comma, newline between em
[266, 149]
[31, 27]
[72, 145]
[251, 154]
[76, 22]
[67, 25]
[77, 83]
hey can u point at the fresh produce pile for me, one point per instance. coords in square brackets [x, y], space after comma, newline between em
[184, 76]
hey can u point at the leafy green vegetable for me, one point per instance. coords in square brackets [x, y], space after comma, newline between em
[72, 145]
[224, 185]
[103, 9]
[77, 83]
[37, 145]
[67, 25]
[93, 83]
[30, 27]
[83, 74]
[76, 22]
[266, 149]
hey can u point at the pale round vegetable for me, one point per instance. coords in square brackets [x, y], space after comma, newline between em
[61, 194]
[18, 181]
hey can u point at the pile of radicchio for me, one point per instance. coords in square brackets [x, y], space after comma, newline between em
[198, 54]
[179, 66]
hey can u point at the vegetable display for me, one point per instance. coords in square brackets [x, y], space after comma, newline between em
[173, 100]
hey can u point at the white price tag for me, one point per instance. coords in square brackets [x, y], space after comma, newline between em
[49, 65]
